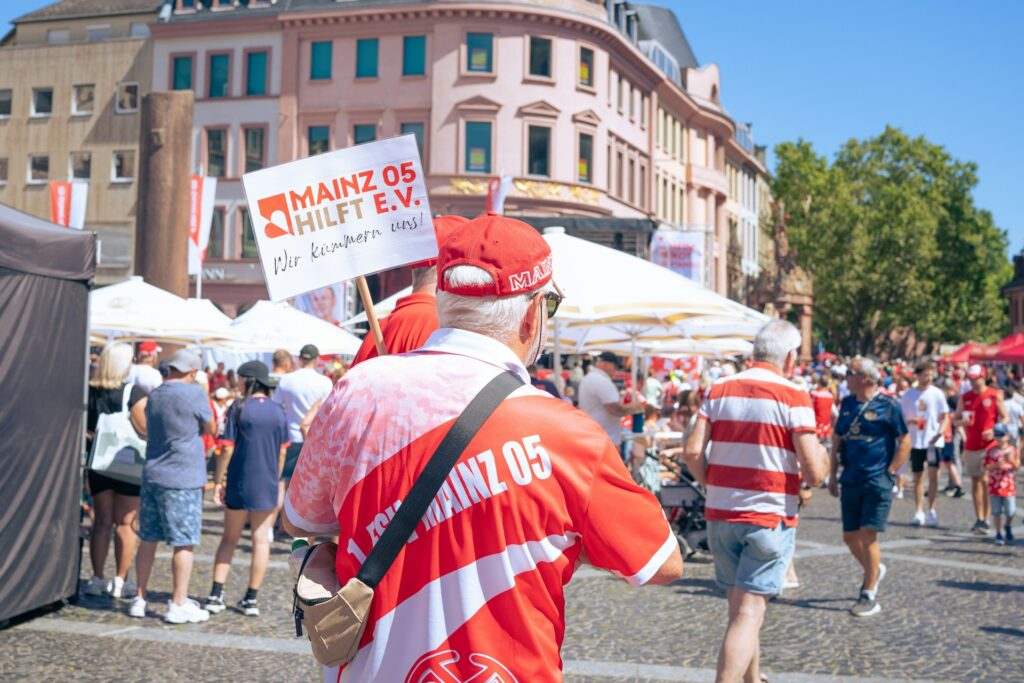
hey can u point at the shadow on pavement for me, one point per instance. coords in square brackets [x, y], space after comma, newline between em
[981, 586]
[698, 587]
[816, 603]
[997, 553]
[1002, 630]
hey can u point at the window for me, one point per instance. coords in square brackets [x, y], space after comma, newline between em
[631, 181]
[83, 98]
[42, 101]
[256, 73]
[38, 169]
[621, 94]
[217, 152]
[478, 147]
[320, 60]
[620, 162]
[366, 58]
[58, 36]
[417, 129]
[138, 30]
[181, 73]
[538, 151]
[586, 77]
[215, 247]
[642, 180]
[122, 166]
[586, 158]
[414, 56]
[632, 102]
[127, 98]
[364, 132]
[319, 139]
[480, 52]
[95, 34]
[3, 170]
[5, 102]
[255, 148]
[81, 165]
[249, 250]
[540, 57]
[219, 75]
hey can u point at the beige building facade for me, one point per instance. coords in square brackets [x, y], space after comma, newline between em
[71, 84]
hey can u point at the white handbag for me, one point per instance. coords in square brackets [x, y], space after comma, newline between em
[118, 451]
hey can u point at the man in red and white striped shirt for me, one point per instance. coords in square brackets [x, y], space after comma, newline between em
[762, 432]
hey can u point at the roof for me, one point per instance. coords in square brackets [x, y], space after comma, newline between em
[660, 24]
[32, 245]
[75, 9]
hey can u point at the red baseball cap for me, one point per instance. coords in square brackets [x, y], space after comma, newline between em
[444, 226]
[149, 348]
[517, 258]
[975, 371]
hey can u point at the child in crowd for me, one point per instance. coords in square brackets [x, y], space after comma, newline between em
[1001, 461]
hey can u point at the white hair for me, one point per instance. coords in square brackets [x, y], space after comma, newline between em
[867, 369]
[776, 340]
[491, 316]
[114, 365]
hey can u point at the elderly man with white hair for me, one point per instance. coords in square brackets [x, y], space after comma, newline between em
[763, 445]
[871, 444]
[478, 589]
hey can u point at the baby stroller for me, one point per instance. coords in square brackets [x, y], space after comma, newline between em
[683, 502]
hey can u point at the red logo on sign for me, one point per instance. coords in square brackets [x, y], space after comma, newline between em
[268, 207]
[443, 667]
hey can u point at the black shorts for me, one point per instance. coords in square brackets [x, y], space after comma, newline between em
[919, 456]
[98, 483]
[291, 457]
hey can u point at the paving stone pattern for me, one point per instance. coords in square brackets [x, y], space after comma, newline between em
[953, 610]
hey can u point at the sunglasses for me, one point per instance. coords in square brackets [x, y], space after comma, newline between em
[552, 300]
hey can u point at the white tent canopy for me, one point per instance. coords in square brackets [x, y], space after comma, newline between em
[269, 326]
[135, 309]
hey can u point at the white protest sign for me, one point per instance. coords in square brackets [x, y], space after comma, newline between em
[331, 217]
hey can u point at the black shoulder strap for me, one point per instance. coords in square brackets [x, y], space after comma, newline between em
[415, 505]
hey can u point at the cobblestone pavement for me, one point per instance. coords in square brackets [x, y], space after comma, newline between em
[953, 610]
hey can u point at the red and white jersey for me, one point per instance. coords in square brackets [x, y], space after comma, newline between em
[753, 474]
[823, 402]
[478, 590]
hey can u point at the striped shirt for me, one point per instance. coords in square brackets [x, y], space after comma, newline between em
[753, 475]
[478, 592]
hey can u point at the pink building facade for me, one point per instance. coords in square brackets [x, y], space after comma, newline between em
[569, 98]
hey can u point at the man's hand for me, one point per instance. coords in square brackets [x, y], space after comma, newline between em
[988, 435]
[805, 496]
[218, 495]
[833, 487]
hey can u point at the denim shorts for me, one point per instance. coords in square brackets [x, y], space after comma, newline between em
[865, 504]
[1004, 506]
[754, 558]
[174, 516]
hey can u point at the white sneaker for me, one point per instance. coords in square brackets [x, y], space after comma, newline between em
[933, 518]
[188, 612]
[917, 519]
[121, 588]
[137, 608]
[97, 586]
[270, 534]
[899, 494]
[881, 575]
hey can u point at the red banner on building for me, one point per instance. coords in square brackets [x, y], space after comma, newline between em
[67, 203]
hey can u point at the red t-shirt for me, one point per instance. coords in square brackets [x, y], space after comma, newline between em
[823, 400]
[980, 412]
[479, 588]
[407, 327]
[1001, 482]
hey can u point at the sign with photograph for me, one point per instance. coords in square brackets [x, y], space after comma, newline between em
[329, 218]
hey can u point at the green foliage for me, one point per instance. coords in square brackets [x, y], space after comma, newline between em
[892, 238]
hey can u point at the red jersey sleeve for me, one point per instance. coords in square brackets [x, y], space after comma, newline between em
[624, 529]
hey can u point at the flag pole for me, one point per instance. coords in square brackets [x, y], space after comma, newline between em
[371, 316]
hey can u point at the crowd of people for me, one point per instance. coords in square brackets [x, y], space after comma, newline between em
[315, 450]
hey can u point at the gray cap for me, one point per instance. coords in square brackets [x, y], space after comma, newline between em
[185, 361]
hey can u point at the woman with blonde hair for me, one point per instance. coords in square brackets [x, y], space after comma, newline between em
[115, 503]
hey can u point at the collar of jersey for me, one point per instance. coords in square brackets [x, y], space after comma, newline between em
[765, 366]
[478, 347]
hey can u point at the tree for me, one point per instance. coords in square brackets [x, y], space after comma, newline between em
[895, 245]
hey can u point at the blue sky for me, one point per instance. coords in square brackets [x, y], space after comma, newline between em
[827, 71]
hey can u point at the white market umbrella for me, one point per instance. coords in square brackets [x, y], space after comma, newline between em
[383, 308]
[677, 348]
[270, 326]
[135, 309]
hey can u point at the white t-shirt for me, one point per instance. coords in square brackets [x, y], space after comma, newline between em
[923, 412]
[597, 389]
[296, 393]
[145, 377]
[1014, 411]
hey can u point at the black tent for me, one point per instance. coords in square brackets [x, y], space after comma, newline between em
[45, 275]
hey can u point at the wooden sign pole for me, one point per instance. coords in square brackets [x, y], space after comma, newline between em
[371, 316]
